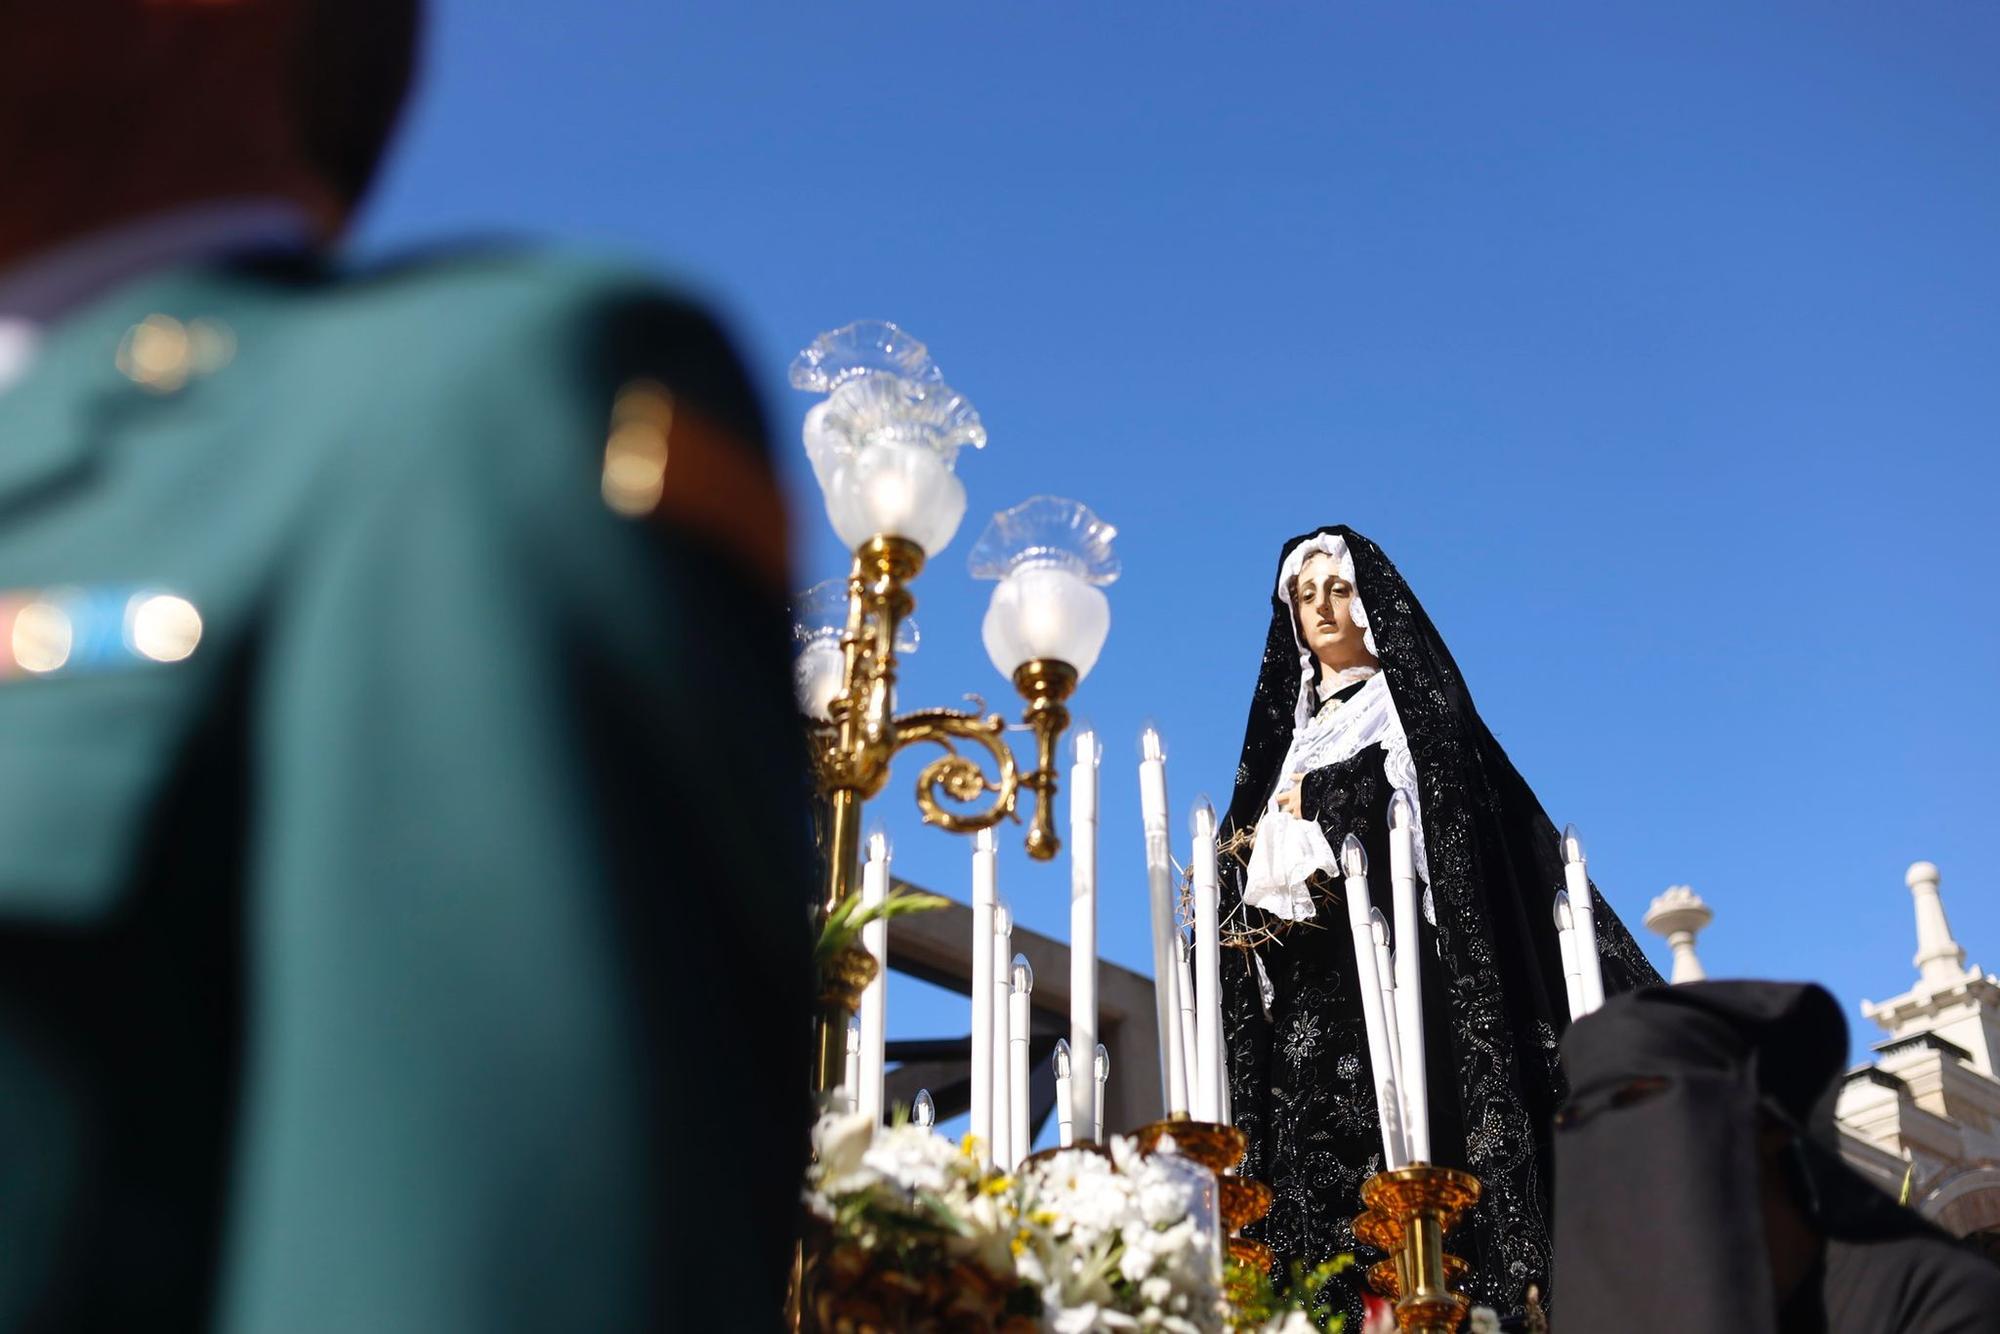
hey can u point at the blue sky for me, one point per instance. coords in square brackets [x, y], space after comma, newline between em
[1656, 344]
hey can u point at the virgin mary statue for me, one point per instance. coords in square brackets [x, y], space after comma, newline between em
[1357, 699]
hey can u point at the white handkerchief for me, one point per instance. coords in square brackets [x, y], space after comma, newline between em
[1287, 852]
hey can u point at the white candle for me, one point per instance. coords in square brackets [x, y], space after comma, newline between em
[1409, 976]
[1065, 1107]
[1209, 1071]
[1354, 864]
[1566, 943]
[1583, 912]
[1018, 1016]
[874, 999]
[1075, 1099]
[1002, 946]
[985, 882]
[1100, 1070]
[1184, 1003]
[852, 1079]
[1160, 892]
[1385, 981]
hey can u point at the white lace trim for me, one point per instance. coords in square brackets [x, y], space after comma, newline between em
[1289, 850]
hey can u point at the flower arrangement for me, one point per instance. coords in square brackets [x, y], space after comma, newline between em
[909, 1233]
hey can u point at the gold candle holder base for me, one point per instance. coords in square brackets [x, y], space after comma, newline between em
[847, 975]
[1253, 1253]
[1216, 1147]
[1410, 1209]
[1243, 1202]
[1220, 1148]
[1040, 1156]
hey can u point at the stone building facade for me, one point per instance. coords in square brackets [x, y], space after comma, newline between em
[1923, 1119]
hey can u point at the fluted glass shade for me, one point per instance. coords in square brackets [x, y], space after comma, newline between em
[1049, 556]
[885, 441]
[860, 348]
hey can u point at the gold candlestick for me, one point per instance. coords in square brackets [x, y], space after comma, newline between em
[1410, 1209]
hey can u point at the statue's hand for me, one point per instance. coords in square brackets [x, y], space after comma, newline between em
[1288, 800]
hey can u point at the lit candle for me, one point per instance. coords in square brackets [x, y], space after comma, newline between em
[1409, 1007]
[1160, 890]
[1017, 1047]
[923, 1112]
[985, 887]
[1002, 946]
[1566, 943]
[1065, 1108]
[1584, 913]
[852, 1079]
[1075, 1099]
[874, 998]
[1209, 1075]
[1100, 1069]
[1354, 865]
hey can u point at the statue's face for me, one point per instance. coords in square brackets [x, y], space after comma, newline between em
[1325, 606]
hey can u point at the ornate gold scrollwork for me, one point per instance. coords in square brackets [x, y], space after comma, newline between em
[960, 777]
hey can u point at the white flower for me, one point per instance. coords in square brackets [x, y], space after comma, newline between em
[913, 1158]
[1164, 1197]
[1108, 1242]
[1291, 1322]
[1084, 1196]
[1135, 1261]
[840, 1140]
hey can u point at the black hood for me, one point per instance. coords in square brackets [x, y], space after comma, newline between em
[1659, 1182]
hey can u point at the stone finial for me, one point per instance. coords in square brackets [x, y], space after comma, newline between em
[1940, 960]
[1678, 915]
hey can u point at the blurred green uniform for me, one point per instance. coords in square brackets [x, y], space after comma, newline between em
[402, 872]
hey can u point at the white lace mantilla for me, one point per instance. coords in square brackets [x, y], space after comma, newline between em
[1288, 849]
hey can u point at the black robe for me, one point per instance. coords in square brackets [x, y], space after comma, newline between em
[1661, 1187]
[1494, 999]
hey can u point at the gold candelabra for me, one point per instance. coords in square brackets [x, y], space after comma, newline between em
[1409, 1211]
[853, 752]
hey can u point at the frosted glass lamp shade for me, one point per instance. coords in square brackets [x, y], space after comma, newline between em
[884, 448]
[819, 615]
[816, 677]
[1046, 611]
[1050, 556]
[896, 489]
